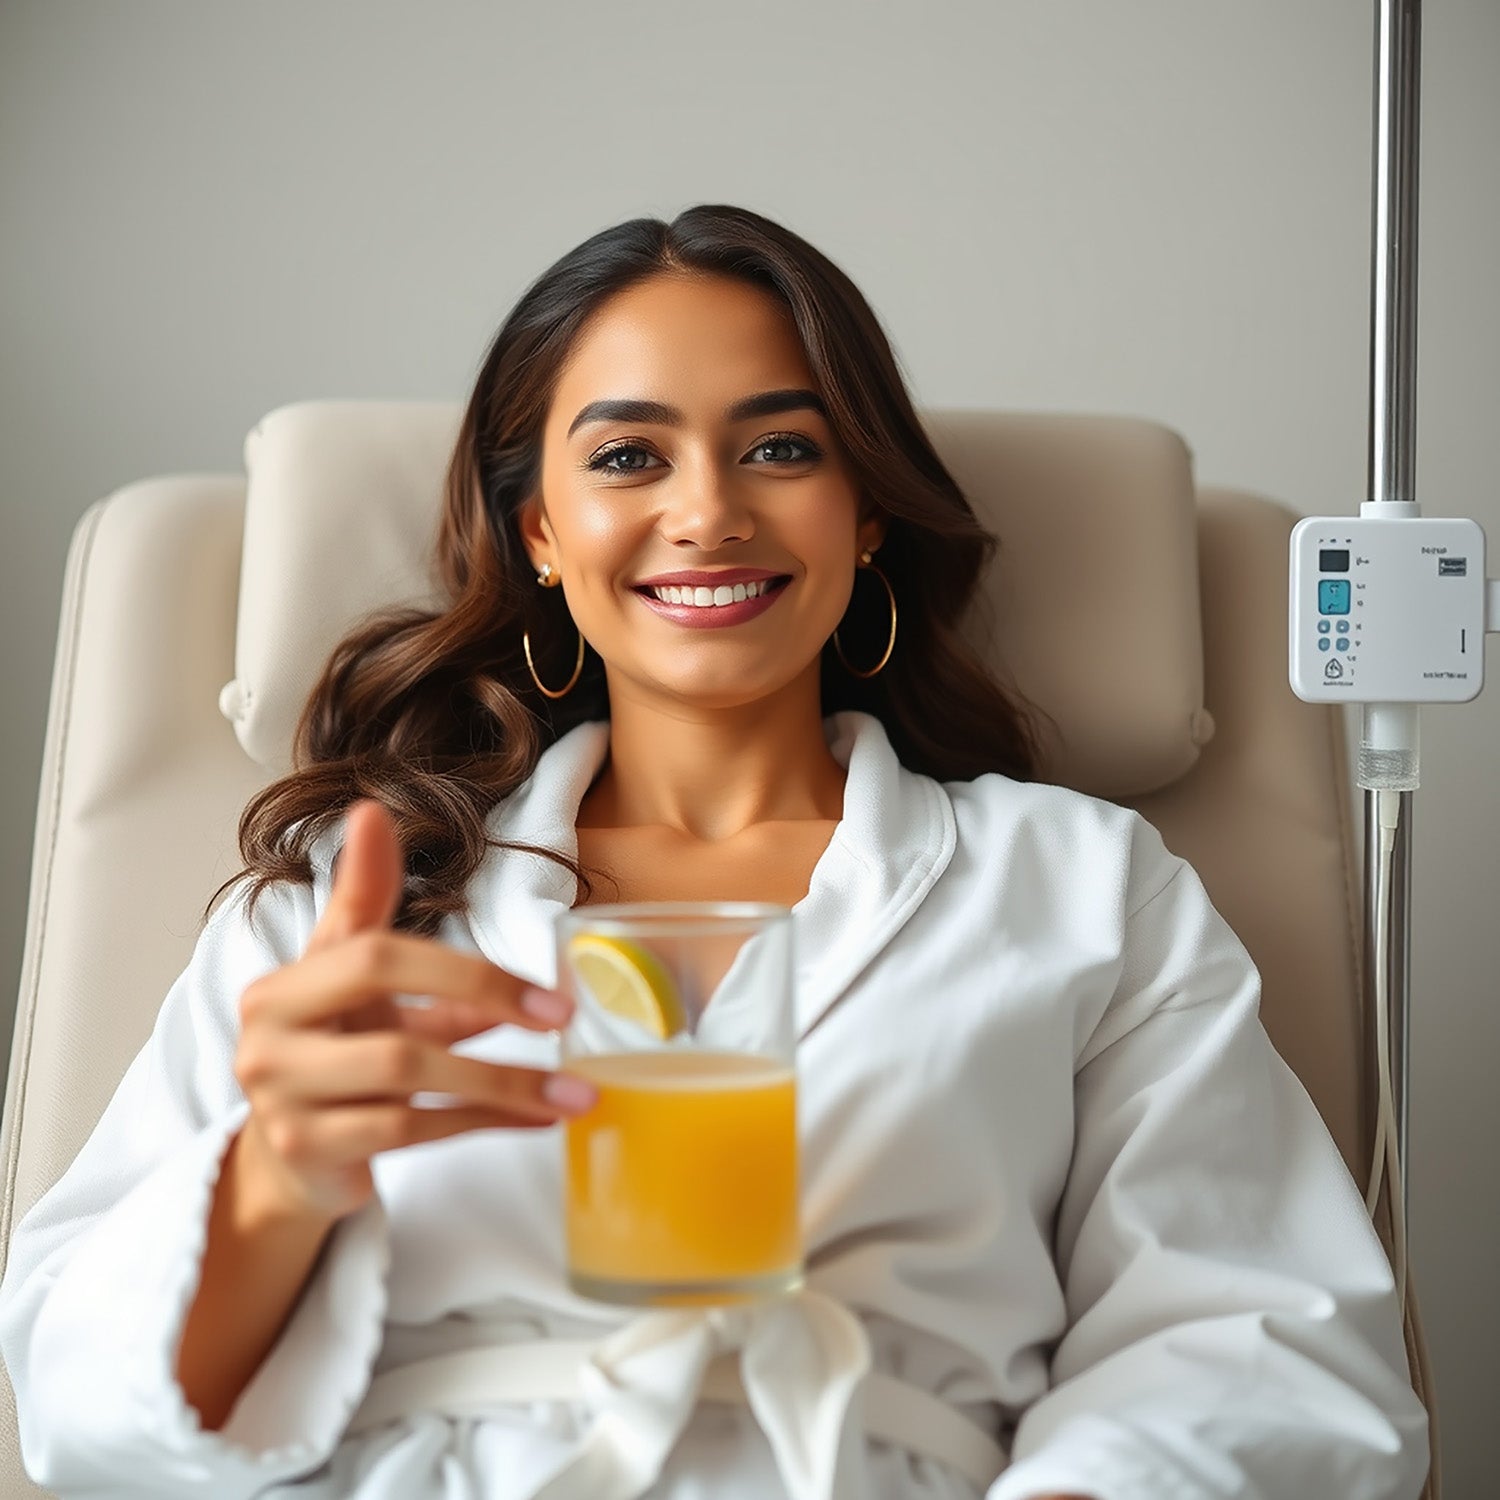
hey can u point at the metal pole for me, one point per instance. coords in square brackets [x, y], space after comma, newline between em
[1393, 311]
[1393, 455]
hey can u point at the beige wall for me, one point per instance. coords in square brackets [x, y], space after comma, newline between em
[1160, 208]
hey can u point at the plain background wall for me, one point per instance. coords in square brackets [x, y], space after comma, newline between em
[1159, 208]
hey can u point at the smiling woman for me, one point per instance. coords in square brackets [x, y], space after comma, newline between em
[699, 405]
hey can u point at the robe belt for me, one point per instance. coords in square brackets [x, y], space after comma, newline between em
[802, 1366]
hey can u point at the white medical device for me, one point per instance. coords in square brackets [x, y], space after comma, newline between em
[1387, 611]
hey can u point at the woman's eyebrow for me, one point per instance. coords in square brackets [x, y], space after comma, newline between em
[766, 404]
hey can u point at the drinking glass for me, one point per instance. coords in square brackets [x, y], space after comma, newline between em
[681, 1182]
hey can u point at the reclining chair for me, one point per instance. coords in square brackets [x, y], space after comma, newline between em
[1146, 618]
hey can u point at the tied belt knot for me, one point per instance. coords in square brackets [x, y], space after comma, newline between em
[801, 1363]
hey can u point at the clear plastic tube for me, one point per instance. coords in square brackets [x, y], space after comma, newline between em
[1390, 763]
[1386, 1154]
[1390, 747]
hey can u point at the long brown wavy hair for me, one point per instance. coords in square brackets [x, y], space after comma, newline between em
[436, 714]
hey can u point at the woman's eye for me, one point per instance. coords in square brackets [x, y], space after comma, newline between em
[779, 448]
[774, 449]
[604, 461]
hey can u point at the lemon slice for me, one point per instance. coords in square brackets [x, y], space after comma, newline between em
[629, 982]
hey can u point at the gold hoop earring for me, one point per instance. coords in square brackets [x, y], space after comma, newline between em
[550, 580]
[890, 645]
[541, 687]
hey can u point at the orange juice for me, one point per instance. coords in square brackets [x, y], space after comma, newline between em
[683, 1177]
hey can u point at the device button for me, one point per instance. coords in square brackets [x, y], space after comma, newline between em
[1343, 643]
[1343, 627]
[1323, 627]
[1323, 644]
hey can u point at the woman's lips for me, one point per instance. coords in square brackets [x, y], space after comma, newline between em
[712, 616]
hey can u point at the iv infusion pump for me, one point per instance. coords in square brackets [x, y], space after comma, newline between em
[1387, 611]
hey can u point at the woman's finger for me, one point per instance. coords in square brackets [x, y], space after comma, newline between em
[367, 877]
[448, 1021]
[317, 1141]
[322, 986]
[308, 1069]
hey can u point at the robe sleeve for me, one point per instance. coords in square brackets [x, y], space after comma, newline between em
[103, 1269]
[1232, 1321]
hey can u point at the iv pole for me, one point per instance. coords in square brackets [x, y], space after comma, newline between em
[1392, 470]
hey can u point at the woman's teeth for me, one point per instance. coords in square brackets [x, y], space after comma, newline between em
[701, 598]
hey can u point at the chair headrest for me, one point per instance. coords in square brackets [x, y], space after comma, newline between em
[1092, 601]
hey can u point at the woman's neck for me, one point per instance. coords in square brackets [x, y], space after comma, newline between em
[713, 774]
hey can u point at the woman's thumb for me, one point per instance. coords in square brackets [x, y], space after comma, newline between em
[367, 876]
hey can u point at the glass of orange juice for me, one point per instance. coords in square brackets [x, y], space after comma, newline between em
[681, 1182]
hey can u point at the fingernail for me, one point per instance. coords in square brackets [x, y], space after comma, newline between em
[567, 1092]
[547, 1005]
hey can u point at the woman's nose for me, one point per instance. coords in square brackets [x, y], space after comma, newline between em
[706, 510]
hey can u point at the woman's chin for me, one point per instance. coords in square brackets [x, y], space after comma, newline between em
[718, 691]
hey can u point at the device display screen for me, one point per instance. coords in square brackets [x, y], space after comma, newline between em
[1333, 596]
[1333, 561]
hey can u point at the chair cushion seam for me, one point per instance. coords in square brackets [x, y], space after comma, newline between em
[28, 1001]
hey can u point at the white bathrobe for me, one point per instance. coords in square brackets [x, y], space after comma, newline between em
[1053, 1173]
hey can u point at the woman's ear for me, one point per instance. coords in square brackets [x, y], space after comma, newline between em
[536, 533]
[871, 533]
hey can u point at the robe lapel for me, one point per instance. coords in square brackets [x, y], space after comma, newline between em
[515, 898]
[896, 836]
[894, 840]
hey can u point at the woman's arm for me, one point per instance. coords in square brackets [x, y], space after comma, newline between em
[103, 1269]
[259, 1254]
[1232, 1324]
[330, 1067]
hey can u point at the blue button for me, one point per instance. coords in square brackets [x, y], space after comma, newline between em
[1343, 627]
[1343, 643]
[1323, 645]
[1323, 627]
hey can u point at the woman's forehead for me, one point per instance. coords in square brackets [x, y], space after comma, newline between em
[698, 344]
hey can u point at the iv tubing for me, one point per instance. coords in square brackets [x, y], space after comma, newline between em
[1386, 1155]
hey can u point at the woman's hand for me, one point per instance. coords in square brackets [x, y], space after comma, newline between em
[329, 1061]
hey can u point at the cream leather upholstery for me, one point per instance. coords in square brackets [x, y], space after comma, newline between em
[1147, 618]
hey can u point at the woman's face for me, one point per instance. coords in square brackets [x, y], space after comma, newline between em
[685, 459]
